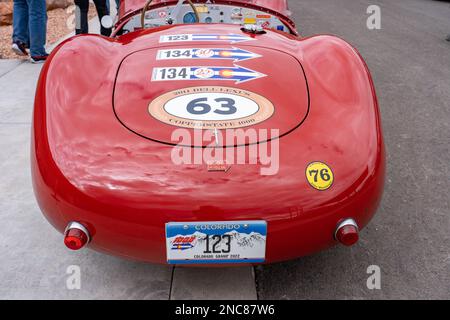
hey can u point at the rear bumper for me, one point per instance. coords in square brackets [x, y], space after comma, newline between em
[140, 235]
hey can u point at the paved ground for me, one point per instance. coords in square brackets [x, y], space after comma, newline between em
[410, 237]
[36, 265]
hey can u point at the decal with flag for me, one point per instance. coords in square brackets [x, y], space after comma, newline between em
[232, 38]
[235, 54]
[236, 73]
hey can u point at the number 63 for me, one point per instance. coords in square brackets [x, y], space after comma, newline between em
[200, 106]
[324, 174]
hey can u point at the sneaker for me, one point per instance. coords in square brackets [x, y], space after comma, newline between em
[38, 59]
[19, 48]
[448, 38]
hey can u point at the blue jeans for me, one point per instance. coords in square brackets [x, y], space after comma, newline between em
[82, 25]
[108, 6]
[30, 24]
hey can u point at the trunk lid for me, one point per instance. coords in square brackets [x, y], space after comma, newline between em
[213, 88]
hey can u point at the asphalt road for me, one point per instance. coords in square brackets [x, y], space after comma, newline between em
[409, 239]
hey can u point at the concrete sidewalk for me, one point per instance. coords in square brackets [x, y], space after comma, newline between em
[35, 263]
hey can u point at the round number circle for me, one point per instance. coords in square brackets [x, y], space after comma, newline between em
[319, 175]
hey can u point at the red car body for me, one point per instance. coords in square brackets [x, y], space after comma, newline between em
[98, 159]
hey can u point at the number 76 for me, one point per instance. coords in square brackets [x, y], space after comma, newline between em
[324, 174]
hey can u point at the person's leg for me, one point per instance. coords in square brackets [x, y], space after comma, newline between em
[20, 35]
[102, 11]
[82, 26]
[37, 27]
[108, 9]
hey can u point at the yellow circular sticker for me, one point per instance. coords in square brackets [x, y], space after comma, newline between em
[319, 175]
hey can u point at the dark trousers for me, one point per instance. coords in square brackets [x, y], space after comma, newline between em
[102, 11]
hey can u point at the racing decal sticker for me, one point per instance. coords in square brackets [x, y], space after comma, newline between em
[211, 108]
[162, 14]
[236, 73]
[183, 242]
[232, 38]
[319, 175]
[235, 54]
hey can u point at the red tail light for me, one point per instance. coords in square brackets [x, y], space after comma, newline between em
[347, 232]
[76, 236]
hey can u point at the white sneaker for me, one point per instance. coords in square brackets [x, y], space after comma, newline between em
[38, 59]
[19, 48]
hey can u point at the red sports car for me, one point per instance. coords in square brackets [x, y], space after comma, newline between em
[207, 132]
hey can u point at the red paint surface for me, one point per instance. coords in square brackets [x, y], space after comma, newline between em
[88, 167]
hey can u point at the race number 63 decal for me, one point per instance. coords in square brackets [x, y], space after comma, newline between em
[211, 108]
[319, 175]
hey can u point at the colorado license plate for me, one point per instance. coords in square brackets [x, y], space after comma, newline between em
[216, 242]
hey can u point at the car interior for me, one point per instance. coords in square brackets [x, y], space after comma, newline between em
[185, 12]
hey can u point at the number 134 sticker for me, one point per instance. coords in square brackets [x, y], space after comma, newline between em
[319, 175]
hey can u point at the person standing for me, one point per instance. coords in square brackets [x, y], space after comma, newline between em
[30, 29]
[82, 23]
